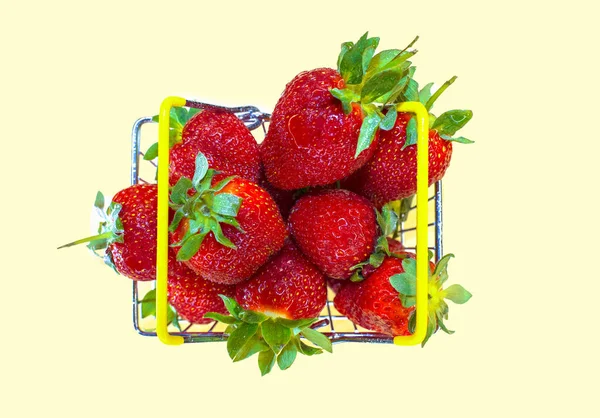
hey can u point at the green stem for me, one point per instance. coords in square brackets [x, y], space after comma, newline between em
[106, 235]
[410, 44]
[438, 93]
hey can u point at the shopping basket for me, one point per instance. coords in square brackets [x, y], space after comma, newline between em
[422, 224]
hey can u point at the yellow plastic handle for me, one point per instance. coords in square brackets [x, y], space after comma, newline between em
[422, 117]
[162, 248]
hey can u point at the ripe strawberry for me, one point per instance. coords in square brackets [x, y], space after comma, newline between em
[128, 233]
[325, 124]
[278, 306]
[335, 229]
[193, 297]
[226, 230]
[224, 140]
[384, 301]
[392, 172]
[288, 286]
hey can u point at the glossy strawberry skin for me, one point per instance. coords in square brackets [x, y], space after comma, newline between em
[227, 144]
[264, 235]
[373, 303]
[288, 286]
[192, 297]
[311, 142]
[392, 172]
[135, 257]
[335, 229]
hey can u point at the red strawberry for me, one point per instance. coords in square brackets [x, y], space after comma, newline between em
[280, 303]
[225, 231]
[128, 233]
[193, 297]
[384, 301]
[224, 140]
[392, 172]
[287, 286]
[335, 229]
[325, 124]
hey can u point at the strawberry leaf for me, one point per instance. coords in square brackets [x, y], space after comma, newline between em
[441, 268]
[458, 294]
[380, 60]
[226, 204]
[152, 152]
[308, 350]
[451, 121]
[367, 130]
[215, 227]
[179, 191]
[276, 335]
[404, 283]
[232, 306]
[297, 323]
[411, 133]
[239, 337]
[347, 97]
[460, 139]
[345, 48]
[408, 301]
[253, 317]
[201, 169]
[190, 247]
[352, 64]
[376, 259]
[266, 361]
[99, 202]
[380, 84]
[221, 318]
[411, 93]
[318, 339]
[253, 345]
[287, 356]
[425, 93]
[410, 266]
[389, 120]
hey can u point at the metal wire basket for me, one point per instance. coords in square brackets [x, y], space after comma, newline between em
[334, 325]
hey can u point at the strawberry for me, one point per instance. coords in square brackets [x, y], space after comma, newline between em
[384, 301]
[325, 124]
[276, 307]
[128, 233]
[392, 172]
[335, 229]
[224, 140]
[225, 230]
[287, 286]
[193, 297]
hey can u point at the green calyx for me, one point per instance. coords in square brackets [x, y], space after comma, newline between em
[372, 80]
[406, 284]
[387, 220]
[204, 211]
[275, 339]
[148, 305]
[110, 229]
[178, 117]
[446, 124]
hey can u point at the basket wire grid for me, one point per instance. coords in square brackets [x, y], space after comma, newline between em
[334, 325]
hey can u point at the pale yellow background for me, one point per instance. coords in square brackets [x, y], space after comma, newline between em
[520, 205]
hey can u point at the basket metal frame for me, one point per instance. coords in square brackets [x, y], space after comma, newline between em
[253, 118]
